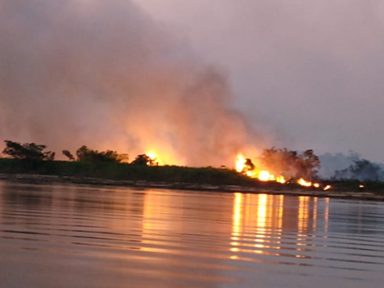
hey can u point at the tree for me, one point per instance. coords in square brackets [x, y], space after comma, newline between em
[89, 155]
[27, 151]
[290, 164]
[362, 170]
[143, 160]
[307, 164]
[69, 155]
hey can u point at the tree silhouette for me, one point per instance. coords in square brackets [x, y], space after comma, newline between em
[290, 164]
[362, 170]
[143, 160]
[27, 151]
[85, 154]
[69, 155]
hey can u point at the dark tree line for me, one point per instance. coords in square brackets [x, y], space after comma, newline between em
[362, 170]
[37, 152]
[86, 154]
[27, 151]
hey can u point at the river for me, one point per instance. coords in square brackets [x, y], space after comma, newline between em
[85, 236]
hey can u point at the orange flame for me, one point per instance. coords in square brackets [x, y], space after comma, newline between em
[240, 163]
[328, 187]
[241, 166]
[261, 175]
[304, 183]
[166, 157]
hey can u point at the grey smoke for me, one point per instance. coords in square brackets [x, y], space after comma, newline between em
[312, 70]
[102, 73]
[345, 166]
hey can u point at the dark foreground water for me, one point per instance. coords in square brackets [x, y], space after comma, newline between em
[78, 236]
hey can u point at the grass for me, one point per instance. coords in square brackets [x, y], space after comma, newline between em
[119, 171]
[162, 174]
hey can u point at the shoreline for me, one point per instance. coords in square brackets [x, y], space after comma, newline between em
[53, 179]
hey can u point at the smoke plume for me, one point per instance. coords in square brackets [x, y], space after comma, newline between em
[103, 74]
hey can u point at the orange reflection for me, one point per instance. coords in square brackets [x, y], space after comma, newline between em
[157, 218]
[254, 218]
[260, 221]
[302, 225]
[326, 217]
[237, 223]
[303, 214]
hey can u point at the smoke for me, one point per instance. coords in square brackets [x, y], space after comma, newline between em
[103, 74]
[350, 166]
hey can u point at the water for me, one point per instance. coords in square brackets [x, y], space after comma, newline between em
[80, 236]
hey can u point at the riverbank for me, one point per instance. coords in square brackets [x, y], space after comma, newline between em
[260, 188]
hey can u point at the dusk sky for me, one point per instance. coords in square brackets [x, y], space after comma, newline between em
[310, 72]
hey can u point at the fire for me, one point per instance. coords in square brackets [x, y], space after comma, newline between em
[163, 156]
[152, 155]
[240, 163]
[245, 166]
[266, 176]
[281, 180]
[153, 158]
[304, 183]
[328, 187]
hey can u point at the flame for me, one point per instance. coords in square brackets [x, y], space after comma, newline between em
[265, 176]
[328, 187]
[281, 180]
[164, 157]
[261, 175]
[304, 182]
[240, 163]
[152, 155]
[154, 160]
[242, 166]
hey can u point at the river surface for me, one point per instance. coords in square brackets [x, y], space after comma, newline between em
[82, 236]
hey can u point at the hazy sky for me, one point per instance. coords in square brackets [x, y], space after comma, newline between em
[310, 71]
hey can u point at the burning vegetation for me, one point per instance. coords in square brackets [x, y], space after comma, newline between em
[274, 169]
[282, 166]
[273, 165]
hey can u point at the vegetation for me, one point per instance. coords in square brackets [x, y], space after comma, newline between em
[291, 164]
[124, 171]
[362, 170]
[31, 158]
[69, 155]
[108, 165]
[143, 160]
[84, 154]
[27, 151]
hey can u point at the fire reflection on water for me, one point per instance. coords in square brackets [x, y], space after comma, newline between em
[267, 221]
[257, 224]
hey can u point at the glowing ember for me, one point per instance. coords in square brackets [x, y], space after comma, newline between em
[304, 183]
[281, 180]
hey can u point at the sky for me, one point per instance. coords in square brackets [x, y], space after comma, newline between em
[307, 72]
